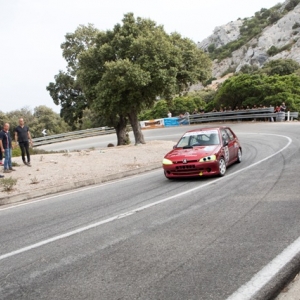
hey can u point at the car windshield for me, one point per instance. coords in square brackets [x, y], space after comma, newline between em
[199, 138]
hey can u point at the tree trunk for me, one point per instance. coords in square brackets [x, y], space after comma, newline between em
[121, 131]
[136, 128]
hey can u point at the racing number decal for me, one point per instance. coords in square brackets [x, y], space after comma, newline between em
[226, 152]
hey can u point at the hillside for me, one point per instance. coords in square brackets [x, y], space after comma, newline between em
[270, 34]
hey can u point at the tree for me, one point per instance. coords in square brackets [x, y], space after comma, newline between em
[280, 67]
[42, 118]
[81, 40]
[259, 89]
[129, 66]
[66, 90]
[14, 116]
[46, 118]
[67, 93]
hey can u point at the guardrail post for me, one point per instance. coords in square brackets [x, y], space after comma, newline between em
[280, 117]
[288, 116]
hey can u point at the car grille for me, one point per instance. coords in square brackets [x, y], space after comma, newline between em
[185, 167]
[188, 161]
[190, 170]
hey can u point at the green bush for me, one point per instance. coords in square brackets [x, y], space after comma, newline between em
[16, 152]
[8, 183]
[273, 51]
[291, 4]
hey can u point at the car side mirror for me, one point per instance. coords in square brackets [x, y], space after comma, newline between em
[225, 143]
[175, 146]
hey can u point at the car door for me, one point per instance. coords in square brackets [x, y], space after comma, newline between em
[233, 144]
[228, 146]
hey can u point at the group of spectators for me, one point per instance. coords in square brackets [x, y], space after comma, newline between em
[184, 117]
[279, 108]
[22, 138]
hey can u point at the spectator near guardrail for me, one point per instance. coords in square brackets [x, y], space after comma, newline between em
[283, 107]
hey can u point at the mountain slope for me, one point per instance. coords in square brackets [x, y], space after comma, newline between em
[280, 39]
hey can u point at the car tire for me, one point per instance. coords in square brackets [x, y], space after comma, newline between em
[222, 167]
[239, 156]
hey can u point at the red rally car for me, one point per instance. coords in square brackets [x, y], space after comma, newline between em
[203, 152]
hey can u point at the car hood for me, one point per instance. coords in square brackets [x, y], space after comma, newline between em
[192, 153]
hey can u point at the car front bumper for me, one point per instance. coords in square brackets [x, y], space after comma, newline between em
[192, 169]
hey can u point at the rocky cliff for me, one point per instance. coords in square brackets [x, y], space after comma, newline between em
[278, 40]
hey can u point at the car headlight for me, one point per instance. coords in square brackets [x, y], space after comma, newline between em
[208, 158]
[167, 162]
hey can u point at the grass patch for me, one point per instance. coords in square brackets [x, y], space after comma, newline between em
[34, 180]
[33, 151]
[8, 183]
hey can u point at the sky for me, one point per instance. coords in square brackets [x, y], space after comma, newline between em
[31, 32]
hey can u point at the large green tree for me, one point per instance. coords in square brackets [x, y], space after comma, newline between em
[258, 89]
[131, 65]
[66, 90]
[120, 72]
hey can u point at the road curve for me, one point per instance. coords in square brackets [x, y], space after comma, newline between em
[145, 237]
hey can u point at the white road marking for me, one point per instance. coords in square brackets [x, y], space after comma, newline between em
[139, 209]
[266, 274]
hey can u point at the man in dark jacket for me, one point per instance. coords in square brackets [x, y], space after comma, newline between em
[1, 156]
[23, 137]
[6, 148]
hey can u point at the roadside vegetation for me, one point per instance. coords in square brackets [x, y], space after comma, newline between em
[278, 81]
[8, 184]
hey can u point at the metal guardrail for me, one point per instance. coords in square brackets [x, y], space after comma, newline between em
[251, 114]
[55, 138]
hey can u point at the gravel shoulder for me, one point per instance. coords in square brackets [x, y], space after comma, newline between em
[51, 173]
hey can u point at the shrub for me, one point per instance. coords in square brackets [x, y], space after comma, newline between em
[16, 152]
[273, 51]
[296, 25]
[34, 180]
[291, 4]
[228, 71]
[8, 183]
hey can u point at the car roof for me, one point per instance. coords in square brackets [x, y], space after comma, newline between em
[208, 128]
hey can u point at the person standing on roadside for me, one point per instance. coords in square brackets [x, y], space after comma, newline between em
[1, 155]
[23, 137]
[282, 107]
[6, 148]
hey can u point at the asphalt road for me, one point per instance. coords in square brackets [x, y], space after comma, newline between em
[146, 237]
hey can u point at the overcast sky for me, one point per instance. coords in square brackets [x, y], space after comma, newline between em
[32, 31]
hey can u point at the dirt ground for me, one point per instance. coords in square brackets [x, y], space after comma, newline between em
[58, 169]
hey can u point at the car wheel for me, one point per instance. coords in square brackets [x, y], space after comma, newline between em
[239, 156]
[222, 166]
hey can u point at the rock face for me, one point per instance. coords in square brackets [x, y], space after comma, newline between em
[283, 35]
[222, 35]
